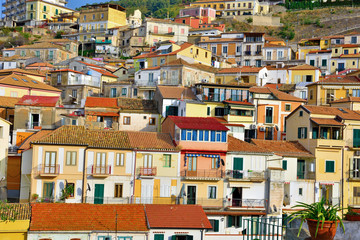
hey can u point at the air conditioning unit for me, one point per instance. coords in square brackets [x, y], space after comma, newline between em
[253, 126]
[262, 129]
[357, 153]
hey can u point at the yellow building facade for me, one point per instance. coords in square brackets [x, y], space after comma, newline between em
[303, 73]
[40, 10]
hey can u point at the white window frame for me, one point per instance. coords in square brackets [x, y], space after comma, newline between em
[208, 191]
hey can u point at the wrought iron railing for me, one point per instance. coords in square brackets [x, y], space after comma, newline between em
[100, 170]
[203, 173]
[245, 175]
[43, 169]
[145, 171]
[245, 203]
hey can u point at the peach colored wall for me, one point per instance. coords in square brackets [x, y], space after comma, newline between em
[201, 162]
[203, 146]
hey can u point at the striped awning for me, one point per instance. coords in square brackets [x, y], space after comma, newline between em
[203, 155]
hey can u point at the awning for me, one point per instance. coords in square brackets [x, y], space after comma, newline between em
[326, 121]
[326, 183]
[332, 87]
[102, 114]
[234, 213]
[241, 184]
[165, 47]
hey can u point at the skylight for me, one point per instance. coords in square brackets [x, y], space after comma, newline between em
[15, 79]
[34, 81]
[342, 110]
[25, 80]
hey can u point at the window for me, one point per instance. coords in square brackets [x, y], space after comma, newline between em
[330, 95]
[113, 92]
[311, 94]
[71, 186]
[288, 107]
[48, 190]
[247, 62]
[152, 121]
[120, 159]
[268, 55]
[302, 132]
[225, 49]
[356, 191]
[300, 191]
[234, 221]
[167, 160]
[312, 62]
[214, 224]
[59, 78]
[123, 238]
[118, 190]
[102, 16]
[22, 53]
[329, 166]
[71, 158]
[31, 7]
[212, 192]
[158, 236]
[44, 16]
[346, 51]
[37, 53]
[268, 115]
[301, 113]
[284, 164]
[324, 62]
[135, 92]
[219, 112]
[56, 11]
[353, 40]
[356, 92]
[50, 162]
[213, 50]
[123, 91]
[44, 8]
[127, 121]
[208, 111]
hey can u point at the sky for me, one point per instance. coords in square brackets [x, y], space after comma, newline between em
[78, 3]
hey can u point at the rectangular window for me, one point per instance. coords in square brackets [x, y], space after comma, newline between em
[127, 121]
[234, 221]
[124, 91]
[312, 62]
[158, 236]
[48, 190]
[37, 54]
[302, 132]
[167, 160]
[268, 115]
[215, 225]
[330, 95]
[118, 190]
[324, 62]
[50, 162]
[71, 158]
[300, 191]
[356, 191]
[152, 121]
[71, 187]
[225, 49]
[212, 192]
[353, 40]
[74, 93]
[329, 166]
[288, 107]
[212, 136]
[206, 136]
[120, 159]
[123, 238]
[284, 164]
[113, 93]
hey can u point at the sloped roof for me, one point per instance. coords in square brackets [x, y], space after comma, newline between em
[68, 70]
[39, 101]
[17, 211]
[87, 217]
[136, 104]
[34, 137]
[151, 141]
[42, 45]
[40, 64]
[326, 121]
[200, 123]
[25, 81]
[175, 92]
[236, 145]
[79, 135]
[157, 53]
[348, 99]
[104, 72]
[182, 62]
[8, 102]
[303, 67]
[338, 79]
[283, 148]
[101, 102]
[244, 69]
[279, 95]
[343, 113]
[176, 216]
[22, 71]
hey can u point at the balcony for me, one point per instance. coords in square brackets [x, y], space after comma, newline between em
[206, 203]
[144, 171]
[203, 174]
[247, 176]
[354, 175]
[258, 53]
[103, 41]
[354, 202]
[245, 203]
[100, 171]
[247, 53]
[305, 175]
[48, 170]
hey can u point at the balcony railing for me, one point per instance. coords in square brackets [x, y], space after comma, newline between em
[241, 175]
[247, 53]
[108, 200]
[103, 41]
[48, 170]
[203, 173]
[258, 53]
[100, 171]
[354, 175]
[144, 171]
[245, 203]
[354, 201]
[306, 175]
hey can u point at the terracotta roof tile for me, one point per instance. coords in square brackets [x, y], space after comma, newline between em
[181, 62]
[283, 148]
[201, 123]
[41, 64]
[34, 137]
[39, 101]
[276, 93]
[343, 113]
[101, 102]
[90, 65]
[326, 121]
[25, 81]
[166, 21]
[104, 114]
[104, 72]
[303, 67]
[87, 217]
[244, 69]
[151, 141]
[174, 92]
[127, 104]
[18, 211]
[21, 71]
[176, 216]
[222, 40]
[338, 79]
[348, 45]
[272, 45]
[68, 70]
[157, 53]
[348, 99]
[42, 45]
[357, 55]
[8, 102]
[236, 145]
[79, 135]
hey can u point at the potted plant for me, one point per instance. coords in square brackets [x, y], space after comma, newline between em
[34, 197]
[352, 215]
[322, 220]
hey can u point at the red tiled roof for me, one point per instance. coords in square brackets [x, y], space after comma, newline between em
[101, 102]
[41, 64]
[276, 93]
[236, 145]
[176, 216]
[68, 70]
[104, 72]
[239, 103]
[175, 92]
[40, 101]
[87, 217]
[283, 148]
[235, 213]
[104, 114]
[200, 123]
[156, 53]
[343, 113]
[150, 68]
[89, 64]
[303, 67]
[339, 79]
[34, 137]
[244, 69]
[356, 55]
[326, 121]
[348, 99]
[8, 102]
[348, 45]
[320, 51]
[151, 141]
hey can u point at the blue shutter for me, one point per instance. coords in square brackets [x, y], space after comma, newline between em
[194, 136]
[201, 135]
[218, 136]
[183, 134]
[188, 137]
[206, 135]
[223, 136]
[212, 136]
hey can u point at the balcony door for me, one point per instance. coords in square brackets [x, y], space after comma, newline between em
[237, 197]
[191, 194]
[148, 164]
[301, 169]
[147, 189]
[99, 194]
[50, 163]
[356, 138]
[35, 120]
[100, 167]
[192, 167]
[238, 167]
[356, 168]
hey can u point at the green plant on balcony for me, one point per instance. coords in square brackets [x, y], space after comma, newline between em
[66, 192]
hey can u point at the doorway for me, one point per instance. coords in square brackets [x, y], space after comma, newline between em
[191, 194]
[237, 197]
[99, 194]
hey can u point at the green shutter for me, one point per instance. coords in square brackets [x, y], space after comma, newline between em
[284, 164]
[216, 225]
[229, 221]
[240, 221]
[173, 237]
[299, 133]
[330, 166]
[356, 138]
[189, 237]
[159, 237]
[305, 135]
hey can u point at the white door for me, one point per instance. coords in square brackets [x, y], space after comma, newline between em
[147, 187]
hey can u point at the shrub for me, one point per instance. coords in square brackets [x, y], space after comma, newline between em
[249, 20]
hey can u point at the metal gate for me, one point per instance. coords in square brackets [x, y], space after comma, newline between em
[271, 228]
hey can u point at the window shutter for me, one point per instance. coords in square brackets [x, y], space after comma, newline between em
[216, 225]
[299, 133]
[240, 221]
[194, 136]
[173, 237]
[223, 136]
[305, 134]
[284, 164]
[229, 223]
[183, 134]
[189, 237]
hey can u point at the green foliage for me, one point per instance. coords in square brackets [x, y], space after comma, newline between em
[59, 34]
[317, 211]
[7, 212]
[249, 20]
[67, 191]
[309, 4]
[351, 212]
[287, 32]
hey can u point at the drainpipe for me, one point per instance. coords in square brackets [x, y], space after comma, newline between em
[342, 181]
[83, 180]
[135, 152]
